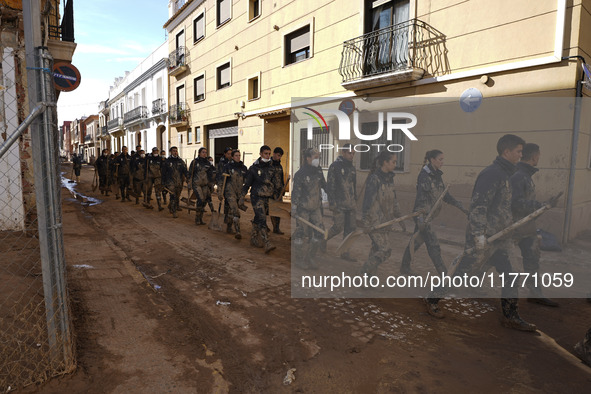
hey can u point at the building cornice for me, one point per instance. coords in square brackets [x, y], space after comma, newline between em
[182, 14]
[161, 64]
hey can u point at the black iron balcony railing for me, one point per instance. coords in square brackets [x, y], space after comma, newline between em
[137, 113]
[407, 45]
[87, 138]
[177, 58]
[158, 106]
[113, 124]
[178, 113]
[65, 30]
[104, 131]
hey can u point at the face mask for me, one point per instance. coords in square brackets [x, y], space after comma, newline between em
[104, 154]
[211, 162]
[265, 160]
[142, 155]
[155, 154]
[315, 162]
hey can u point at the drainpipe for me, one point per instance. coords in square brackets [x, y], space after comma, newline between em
[573, 157]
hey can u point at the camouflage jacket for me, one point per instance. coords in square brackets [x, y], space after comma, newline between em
[380, 203]
[235, 181]
[220, 169]
[77, 162]
[262, 178]
[174, 172]
[102, 165]
[490, 208]
[307, 182]
[429, 187]
[138, 167]
[523, 196]
[154, 164]
[202, 172]
[281, 182]
[124, 162]
[342, 184]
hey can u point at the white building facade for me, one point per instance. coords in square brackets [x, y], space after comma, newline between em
[136, 111]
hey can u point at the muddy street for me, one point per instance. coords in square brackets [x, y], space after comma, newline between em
[161, 305]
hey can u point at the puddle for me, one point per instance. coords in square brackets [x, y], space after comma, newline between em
[85, 266]
[81, 198]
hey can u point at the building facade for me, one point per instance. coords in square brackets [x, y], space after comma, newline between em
[237, 67]
[91, 148]
[136, 111]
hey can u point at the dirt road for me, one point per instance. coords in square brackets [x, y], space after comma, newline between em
[161, 305]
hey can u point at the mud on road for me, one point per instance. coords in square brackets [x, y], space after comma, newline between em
[161, 305]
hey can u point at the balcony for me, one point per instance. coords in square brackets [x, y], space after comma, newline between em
[88, 139]
[104, 132]
[103, 107]
[399, 53]
[158, 107]
[115, 125]
[135, 115]
[178, 61]
[178, 115]
[61, 34]
[176, 5]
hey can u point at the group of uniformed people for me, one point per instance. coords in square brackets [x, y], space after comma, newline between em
[139, 174]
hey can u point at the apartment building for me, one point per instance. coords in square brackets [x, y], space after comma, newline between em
[237, 69]
[91, 148]
[136, 111]
[103, 118]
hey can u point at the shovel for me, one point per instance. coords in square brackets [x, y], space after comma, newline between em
[348, 242]
[217, 220]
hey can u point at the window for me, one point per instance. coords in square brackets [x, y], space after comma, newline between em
[254, 9]
[224, 77]
[199, 27]
[224, 11]
[297, 45]
[197, 134]
[199, 88]
[189, 136]
[319, 136]
[367, 158]
[254, 91]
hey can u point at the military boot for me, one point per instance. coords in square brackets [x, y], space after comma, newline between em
[199, 218]
[511, 318]
[255, 237]
[229, 228]
[583, 349]
[537, 296]
[237, 228]
[78, 179]
[265, 236]
[164, 198]
[137, 201]
[276, 221]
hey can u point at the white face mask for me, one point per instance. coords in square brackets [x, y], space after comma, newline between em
[315, 162]
[211, 162]
[265, 160]
[143, 155]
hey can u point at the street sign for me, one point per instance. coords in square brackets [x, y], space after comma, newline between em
[347, 106]
[470, 100]
[66, 77]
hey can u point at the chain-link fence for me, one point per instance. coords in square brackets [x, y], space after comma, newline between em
[35, 335]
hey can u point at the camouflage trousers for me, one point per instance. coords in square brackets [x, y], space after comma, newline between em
[429, 238]
[104, 183]
[138, 187]
[156, 183]
[175, 195]
[260, 206]
[203, 194]
[231, 201]
[123, 182]
[306, 240]
[343, 221]
[530, 253]
[380, 251]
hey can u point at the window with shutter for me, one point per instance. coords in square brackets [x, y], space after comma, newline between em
[224, 11]
[199, 88]
[297, 45]
[199, 27]
[224, 76]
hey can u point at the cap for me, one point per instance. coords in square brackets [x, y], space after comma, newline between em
[229, 148]
[154, 149]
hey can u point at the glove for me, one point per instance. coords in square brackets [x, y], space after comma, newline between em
[480, 243]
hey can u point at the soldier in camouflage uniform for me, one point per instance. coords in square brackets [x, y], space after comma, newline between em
[429, 187]
[123, 163]
[202, 177]
[154, 164]
[523, 202]
[174, 176]
[163, 159]
[138, 171]
[276, 160]
[225, 159]
[342, 195]
[306, 203]
[233, 192]
[490, 212]
[583, 348]
[102, 167]
[380, 205]
[262, 178]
